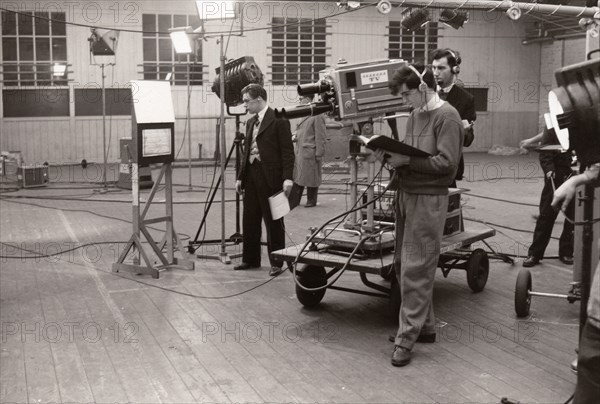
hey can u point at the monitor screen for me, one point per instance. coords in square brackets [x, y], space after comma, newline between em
[156, 142]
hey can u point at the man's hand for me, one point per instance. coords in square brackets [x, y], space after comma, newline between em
[287, 187]
[394, 159]
[238, 187]
[565, 193]
[531, 142]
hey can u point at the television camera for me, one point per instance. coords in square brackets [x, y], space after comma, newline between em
[351, 92]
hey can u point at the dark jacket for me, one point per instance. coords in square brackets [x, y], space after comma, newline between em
[464, 103]
[275, 147]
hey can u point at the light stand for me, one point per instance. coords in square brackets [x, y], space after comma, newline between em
[184, 43]
[103, 45]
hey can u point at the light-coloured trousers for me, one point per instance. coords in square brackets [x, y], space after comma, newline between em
[420, 222]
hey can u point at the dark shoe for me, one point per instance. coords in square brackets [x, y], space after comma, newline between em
[244, 266]
[566, 260]
[310, 205]
[530, 262]
[401, 356]
[275, 271]
[423, 338]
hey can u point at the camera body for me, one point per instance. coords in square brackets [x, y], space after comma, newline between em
[351, 92]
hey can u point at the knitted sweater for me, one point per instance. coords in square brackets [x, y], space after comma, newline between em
[440, 133]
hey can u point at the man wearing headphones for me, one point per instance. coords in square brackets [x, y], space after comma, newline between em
[446, 66]
[435, 127]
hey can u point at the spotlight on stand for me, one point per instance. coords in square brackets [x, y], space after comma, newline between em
[453, 18]
[415, 19]
[575, 109]
[183, 40]
[103, 42]
[238, 74]
[513, 12]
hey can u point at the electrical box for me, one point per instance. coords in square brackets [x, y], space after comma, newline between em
[33, 176]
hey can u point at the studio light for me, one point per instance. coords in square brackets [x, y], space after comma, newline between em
[514, 12]
[453, 18]
[182, 40]
[103, 42]
[59, 69]
[415, 19]
[348, 5]
[575, 109]
[384, 6]
[238, 74]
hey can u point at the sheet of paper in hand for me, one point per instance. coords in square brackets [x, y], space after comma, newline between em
[279, 205]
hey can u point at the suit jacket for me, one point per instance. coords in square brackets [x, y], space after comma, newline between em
[275, 148]
[464, 103]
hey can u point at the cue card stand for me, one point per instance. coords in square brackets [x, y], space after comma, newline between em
[153, 142]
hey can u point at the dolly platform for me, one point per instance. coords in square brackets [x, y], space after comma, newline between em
[455, 254]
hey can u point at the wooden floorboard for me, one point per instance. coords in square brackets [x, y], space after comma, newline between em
[165, 341]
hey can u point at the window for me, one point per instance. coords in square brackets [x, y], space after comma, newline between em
[299, 50]
[31, 44]
[160, 58]
[412, 46]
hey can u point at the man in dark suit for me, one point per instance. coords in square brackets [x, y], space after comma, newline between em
[446, 66]
[267, 168]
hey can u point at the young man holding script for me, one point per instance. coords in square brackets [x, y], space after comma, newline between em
[434, 127]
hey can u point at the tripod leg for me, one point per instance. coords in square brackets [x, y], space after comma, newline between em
[212, 197]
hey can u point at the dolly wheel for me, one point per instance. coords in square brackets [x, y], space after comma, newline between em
[522, 296]
[478, 269]
[311, 276]
[395, 299]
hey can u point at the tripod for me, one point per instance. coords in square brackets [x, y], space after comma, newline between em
[237, 236]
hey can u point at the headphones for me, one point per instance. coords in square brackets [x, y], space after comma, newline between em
[422, 85]
[456, 68]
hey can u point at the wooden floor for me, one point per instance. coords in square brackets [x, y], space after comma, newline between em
[72, 331]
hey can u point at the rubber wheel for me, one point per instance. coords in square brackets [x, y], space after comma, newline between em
[311, 276]
[522, 296]
[395, 299]
[478, 269]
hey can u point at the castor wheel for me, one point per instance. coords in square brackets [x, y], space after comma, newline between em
[478, 269]
[311, 276]
[522, 296]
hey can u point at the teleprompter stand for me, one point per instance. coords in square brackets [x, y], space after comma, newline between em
[153, 140]
[170, 239]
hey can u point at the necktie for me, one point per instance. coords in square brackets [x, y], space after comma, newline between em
[443, 95]
[254, 155]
